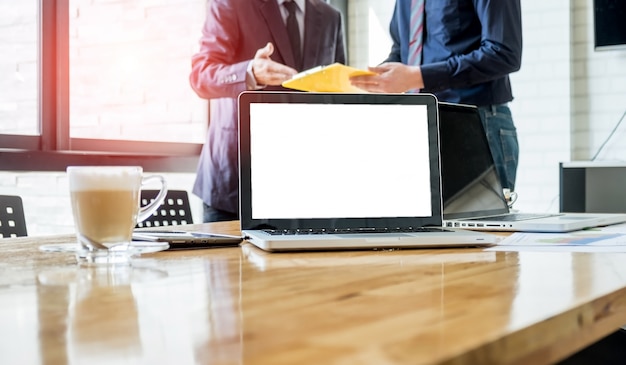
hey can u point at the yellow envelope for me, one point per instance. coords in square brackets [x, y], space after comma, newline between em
[331, 78]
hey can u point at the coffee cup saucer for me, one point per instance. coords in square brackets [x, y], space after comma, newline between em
[135, 248]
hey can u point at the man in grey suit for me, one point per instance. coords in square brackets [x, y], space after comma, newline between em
[245, 45]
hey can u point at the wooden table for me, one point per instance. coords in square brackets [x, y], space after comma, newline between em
[245, 306]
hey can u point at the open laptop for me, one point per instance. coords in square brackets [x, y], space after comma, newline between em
[322, 171]
[473, 197]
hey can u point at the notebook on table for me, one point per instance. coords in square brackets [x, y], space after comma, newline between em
[473, 197]
[321, 171]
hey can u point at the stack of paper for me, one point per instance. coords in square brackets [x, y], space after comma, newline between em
[601, 239]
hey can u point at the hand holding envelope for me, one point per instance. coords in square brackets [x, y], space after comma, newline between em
[391, 77]
[331, 78]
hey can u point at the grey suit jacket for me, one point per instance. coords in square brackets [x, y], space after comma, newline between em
[233, 31]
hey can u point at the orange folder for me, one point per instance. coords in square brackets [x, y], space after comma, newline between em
[330, 78]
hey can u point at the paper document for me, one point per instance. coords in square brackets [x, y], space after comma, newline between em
[331, 78]
[602, 239]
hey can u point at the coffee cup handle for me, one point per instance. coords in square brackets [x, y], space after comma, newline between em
[146, 211]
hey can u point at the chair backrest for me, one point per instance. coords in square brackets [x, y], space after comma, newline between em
[12, 221]
[175, 209]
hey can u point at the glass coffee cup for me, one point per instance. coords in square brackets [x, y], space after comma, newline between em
[106, 208]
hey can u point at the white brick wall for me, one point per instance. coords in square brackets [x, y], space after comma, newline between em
[18, 67]
[129, 67]
[368, 22]
[599, 92]
[46, 198]
[542, 104]
[130, 62]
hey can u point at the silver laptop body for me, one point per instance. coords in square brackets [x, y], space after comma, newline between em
[473, 197]
[321, 171]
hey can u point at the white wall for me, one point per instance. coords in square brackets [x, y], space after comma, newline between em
[46, 198]
[542, 105]
[567, 97]
[598, 93]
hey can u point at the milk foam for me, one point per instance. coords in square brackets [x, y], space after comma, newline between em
[82, 178]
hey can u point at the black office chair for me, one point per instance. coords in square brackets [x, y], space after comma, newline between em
[175, 209]
[12, 221]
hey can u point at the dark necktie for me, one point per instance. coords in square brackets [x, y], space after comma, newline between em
[294, 32]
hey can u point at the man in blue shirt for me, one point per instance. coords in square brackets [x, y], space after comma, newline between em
[469, 49]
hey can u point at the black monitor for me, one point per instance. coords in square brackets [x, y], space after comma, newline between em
[609, 18]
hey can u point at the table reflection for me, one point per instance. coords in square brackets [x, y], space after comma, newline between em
[141, 314]
[246, 306]
[375, 289]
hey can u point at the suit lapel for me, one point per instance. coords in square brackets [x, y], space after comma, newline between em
[271, 14]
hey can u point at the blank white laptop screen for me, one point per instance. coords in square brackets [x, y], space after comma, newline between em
[334, 160]
[321, 171]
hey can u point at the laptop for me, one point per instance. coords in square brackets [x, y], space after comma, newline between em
[321, 171]
[473, 197]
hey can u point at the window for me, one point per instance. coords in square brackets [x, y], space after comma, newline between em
[129, 66]
[84, 77]
[19, 68]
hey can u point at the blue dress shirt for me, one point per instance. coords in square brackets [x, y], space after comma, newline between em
[470, 48]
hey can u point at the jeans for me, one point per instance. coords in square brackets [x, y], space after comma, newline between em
[215, 215]
[502, 138]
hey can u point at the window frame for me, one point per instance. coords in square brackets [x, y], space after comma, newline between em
[53, 149]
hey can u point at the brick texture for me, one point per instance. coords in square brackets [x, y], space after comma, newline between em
[47, 206]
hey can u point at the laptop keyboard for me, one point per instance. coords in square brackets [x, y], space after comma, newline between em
[352, 231]
[514, 217]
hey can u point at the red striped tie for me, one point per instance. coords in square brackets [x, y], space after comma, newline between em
[415, 40]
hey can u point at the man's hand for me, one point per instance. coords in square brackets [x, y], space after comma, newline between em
[269, 72]
[392, 77]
